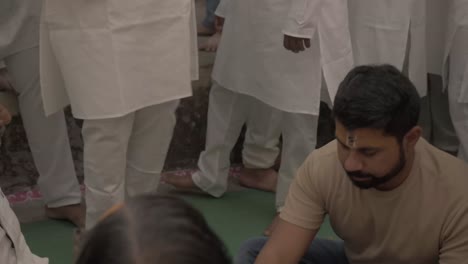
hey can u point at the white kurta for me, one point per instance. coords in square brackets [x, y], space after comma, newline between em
[335, 44]
[436, 26]
[114, 57]
[458, 18]
[13, 247]
[18, 25]
[329, 19]
[47, 136]
[382, 31]
[456, 71]
[251, 58]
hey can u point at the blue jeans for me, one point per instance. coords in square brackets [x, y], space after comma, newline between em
[209, 21]
[321, 251]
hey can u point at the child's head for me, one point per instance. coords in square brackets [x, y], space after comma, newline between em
[153, 229]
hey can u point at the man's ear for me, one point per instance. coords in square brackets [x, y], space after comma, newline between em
[413, 136]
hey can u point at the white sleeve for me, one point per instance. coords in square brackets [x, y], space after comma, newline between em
[7, 217]
[7, 251]
[335, 44]
[303, 18]
[13, 247]
[223, 8]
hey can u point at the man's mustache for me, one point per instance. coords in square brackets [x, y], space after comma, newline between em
[359, 174]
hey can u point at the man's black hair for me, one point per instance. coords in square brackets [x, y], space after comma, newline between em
[380, 97]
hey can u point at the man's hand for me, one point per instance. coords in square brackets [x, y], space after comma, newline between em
[5, 82]
[287, 244]
[219, 23]
[294, 44]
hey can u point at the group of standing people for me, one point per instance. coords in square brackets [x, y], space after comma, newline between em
[257, 82]
[123, 66]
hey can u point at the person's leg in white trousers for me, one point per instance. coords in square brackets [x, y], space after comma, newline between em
[443, 134]
[47, 135]
[299, 133]
[458, 108]
[261, 144]
[299, 140]
[124, 156]
[227, 113]
[261, 147]
[153, 129]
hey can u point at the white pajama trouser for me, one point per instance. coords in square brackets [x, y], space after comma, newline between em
[459, 108]
[228, 111]
[442, 132]
[47, 136]
[124, 156]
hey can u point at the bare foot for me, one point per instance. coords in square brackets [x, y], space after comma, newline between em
[211, 45]
[261, 179]
[204, 31]
[182, 182]
[73, 213]
[272, 226]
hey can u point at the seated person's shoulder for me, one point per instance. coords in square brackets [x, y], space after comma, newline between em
[324, 156]
[450, 173]
[322, 162]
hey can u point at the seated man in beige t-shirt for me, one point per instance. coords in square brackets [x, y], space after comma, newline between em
[390, 196]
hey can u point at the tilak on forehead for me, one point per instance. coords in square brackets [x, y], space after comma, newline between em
[351, 139]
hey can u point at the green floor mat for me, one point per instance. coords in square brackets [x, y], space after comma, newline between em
[236, 217]
[52, 239]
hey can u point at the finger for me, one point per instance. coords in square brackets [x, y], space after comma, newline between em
[301, 45]
[286, 43]
[297, 45]
[292, 44]
[307, 43]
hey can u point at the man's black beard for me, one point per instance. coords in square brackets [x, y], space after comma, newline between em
[377, 181]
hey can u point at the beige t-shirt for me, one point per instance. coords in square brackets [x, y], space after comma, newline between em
[424, 220]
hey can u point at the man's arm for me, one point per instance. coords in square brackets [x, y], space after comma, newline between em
[287, 244]
[301, 24]
[454, 245]
[299, 220]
